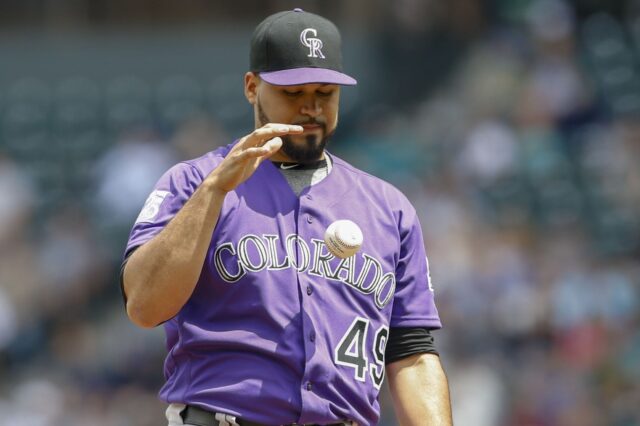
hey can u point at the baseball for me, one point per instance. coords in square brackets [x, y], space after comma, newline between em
[343, 238]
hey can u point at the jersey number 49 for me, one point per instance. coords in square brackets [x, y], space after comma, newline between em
[351, 351]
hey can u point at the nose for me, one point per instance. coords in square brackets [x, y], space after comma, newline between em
[311, 108]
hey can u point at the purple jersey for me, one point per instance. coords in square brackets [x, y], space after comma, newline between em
[278, 330]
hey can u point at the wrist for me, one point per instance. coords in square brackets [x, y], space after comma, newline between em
[212, 184]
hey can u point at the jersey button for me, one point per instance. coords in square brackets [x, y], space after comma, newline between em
[312, 337]
[309, 218]
[309, 386]
[309, 290]
[309, 197]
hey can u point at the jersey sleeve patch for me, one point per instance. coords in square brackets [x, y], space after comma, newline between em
[151, 207]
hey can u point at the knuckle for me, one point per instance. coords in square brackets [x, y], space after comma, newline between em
[261, 132]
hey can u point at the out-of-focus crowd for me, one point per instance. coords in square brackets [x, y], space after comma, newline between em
[523, 163]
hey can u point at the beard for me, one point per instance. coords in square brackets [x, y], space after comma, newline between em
[307, 151]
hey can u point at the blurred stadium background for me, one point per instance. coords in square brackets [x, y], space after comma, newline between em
[513, 126]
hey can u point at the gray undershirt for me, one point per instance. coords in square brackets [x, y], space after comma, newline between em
[301, 179]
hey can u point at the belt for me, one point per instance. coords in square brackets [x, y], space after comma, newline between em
[198, 417]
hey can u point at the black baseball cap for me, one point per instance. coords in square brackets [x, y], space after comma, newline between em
[298, 47]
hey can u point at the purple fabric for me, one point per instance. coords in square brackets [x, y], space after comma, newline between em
[272, 306]
[307, 75]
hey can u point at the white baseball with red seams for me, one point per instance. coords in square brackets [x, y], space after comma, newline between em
[343, 238]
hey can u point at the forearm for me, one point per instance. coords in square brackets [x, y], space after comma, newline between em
[161, 275]
[420, 391]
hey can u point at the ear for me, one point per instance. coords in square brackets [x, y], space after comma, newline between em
[251, 82]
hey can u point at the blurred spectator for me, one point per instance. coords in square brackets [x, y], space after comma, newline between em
[491, 152]
[16, 201]
[8, 321]
[473, 407]
[19, 274]
[197, 136]
[73, 265]
[125, 176]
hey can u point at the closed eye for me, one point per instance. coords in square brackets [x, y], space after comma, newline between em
[325, 94]
[292, 94]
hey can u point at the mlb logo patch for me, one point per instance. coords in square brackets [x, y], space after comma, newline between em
[152, 206]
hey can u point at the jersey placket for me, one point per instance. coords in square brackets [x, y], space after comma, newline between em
[307, 229]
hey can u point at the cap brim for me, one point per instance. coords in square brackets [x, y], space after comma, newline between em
[297, 76]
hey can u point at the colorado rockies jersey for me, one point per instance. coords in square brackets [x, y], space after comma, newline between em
[277, 329]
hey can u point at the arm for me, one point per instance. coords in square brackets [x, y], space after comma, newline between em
[161, 275]
[420, 391]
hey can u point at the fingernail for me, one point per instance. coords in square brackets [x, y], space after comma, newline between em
[283, 129]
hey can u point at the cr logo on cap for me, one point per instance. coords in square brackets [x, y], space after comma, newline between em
[314, 44]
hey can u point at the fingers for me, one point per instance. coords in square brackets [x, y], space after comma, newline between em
[269, 131]
[269, 148]
[273, 145]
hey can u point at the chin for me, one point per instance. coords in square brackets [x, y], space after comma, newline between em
[304, 150]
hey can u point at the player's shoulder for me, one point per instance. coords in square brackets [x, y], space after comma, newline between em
[355, 173]
[373, 185]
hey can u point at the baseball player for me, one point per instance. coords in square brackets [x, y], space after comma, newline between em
[264, 325]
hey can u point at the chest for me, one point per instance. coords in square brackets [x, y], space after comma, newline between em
[269, 245]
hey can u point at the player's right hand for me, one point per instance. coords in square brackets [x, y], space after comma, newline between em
[245, 157]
